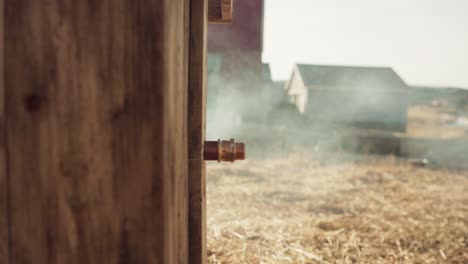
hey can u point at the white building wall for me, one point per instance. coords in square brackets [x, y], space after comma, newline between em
[297, 92]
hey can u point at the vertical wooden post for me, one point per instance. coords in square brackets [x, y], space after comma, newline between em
[96, 132]
[196, 123]
[4, 212]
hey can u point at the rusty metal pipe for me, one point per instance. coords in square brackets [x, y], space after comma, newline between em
[223, 151]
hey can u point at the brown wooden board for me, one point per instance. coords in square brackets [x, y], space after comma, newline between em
[197, 216]
[220, 11]
[4, 214]
[196, 137]
[197, 78]
[97, 131]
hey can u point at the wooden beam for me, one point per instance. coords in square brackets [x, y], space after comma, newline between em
[197, 213]
[197, 78]
[97, 131]
[196, 128]
[220, 11]
[4, 194]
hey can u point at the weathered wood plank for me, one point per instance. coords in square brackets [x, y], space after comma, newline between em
[97, 131]
[220, 11]
[196, 123]
[197, 78]
[197, 213]
[4, 212]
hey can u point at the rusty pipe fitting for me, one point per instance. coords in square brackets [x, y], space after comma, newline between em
[224, 151]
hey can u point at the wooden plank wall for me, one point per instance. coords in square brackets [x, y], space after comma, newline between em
[196, 123]
[97, 131]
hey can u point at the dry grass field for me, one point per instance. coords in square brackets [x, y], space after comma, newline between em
[299, 210]
[431, 122]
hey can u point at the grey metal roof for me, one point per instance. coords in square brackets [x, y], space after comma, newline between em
[350, 77]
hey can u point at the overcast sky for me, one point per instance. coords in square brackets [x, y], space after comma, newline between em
[425, 41]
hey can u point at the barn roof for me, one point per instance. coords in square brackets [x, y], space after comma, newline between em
[350, 77]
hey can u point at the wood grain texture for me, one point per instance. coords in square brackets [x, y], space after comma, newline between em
[97, 122]
[196, 125]
[197, 78]
[197, 215]
[4, 200]
[220, 11]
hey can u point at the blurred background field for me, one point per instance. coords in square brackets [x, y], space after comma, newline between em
[342, 209]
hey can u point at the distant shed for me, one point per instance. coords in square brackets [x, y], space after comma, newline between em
[367, 97]
[236, 48]
[239, 82]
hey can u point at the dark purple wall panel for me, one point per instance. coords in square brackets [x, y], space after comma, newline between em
[246, 31]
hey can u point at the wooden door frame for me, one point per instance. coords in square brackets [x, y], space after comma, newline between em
[197, 36]
[196, 131]
[4, 195]
[201, 12]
